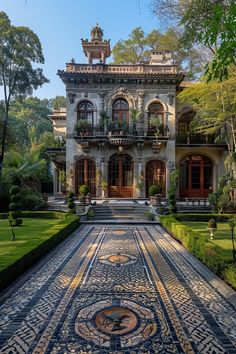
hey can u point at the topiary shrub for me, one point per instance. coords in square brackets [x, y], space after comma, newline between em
[14, 190]
[212, 224]
[15, 207]
[71, 202]
[83, 189]
[154, 190]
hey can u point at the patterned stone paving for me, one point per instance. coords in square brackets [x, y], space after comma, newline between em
[118, 289]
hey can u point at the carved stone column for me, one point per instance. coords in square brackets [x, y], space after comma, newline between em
[170, 166]
[101, 100]
[140, 122]
[71, 178]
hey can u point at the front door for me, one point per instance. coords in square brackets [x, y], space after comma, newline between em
[120, 176]
[195, 180]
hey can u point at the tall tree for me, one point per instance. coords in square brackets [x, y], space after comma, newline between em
[138, 46]
[19, 49]
[32, 115]
[215, 105]
[58, 102]
[211, 23]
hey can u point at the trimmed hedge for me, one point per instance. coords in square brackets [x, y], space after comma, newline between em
[204, 217]
[44, 214]
[12, 272]
[3, 216]
[200, 247]
[38, 214]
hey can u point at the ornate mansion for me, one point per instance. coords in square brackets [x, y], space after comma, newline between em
[125, 129]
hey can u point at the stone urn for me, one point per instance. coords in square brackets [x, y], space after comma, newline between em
[212, 226]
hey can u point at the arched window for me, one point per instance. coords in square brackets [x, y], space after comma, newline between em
[156, 174]
[120, 113]
[85, 173]
[196, 176]
[155, 115]
[85, 110]
[184, 130]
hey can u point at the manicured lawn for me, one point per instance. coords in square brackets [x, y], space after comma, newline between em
[33, 232]
[222, 237]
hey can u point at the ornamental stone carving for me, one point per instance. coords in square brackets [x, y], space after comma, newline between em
[71, 97]
[171, 98]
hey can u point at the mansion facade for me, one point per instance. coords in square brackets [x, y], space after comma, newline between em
[126, 130]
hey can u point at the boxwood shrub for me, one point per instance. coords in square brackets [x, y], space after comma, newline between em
[198, 245]
[203, 217]
[17, 268]
[44, 214]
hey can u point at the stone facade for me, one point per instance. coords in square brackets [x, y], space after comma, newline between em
[120, 152]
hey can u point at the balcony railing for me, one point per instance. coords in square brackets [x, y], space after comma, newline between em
[163, 130]
[199, 139]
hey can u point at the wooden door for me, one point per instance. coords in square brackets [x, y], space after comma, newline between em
[196, 174]
[86, 174]
[120, 176]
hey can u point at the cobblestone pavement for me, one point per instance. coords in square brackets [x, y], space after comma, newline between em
[118, 289]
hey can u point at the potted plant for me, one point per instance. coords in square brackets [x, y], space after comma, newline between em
[83, 191]
[212, 226]
[83, 127]
[155, 123]
[154, 193]
[134, 114]
[104, 122]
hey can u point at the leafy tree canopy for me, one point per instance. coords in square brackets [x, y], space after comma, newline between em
[215, 104]
[28, 120]
[210, 23]
[138, 46]
[58, 102]
[19, 49]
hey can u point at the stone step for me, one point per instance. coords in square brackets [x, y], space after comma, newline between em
[119, 212]
[119, 222]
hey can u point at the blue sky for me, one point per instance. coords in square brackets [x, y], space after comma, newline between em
[60, 25]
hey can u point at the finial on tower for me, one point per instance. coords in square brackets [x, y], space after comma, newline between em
[97, 47]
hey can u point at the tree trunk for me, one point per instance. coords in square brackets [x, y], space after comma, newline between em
[3, 142]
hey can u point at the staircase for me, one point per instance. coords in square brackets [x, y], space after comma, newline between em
[120, 212]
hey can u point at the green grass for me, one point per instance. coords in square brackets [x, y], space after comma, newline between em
[32, 233]
[222, 237]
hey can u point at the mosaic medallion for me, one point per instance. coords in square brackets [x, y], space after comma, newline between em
[119, 321]
[118, 259]
[116, 320]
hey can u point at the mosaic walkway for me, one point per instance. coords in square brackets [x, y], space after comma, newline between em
[118, 289]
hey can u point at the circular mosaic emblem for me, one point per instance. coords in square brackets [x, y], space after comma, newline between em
[120, 322]
[118, 259]
[116, 320]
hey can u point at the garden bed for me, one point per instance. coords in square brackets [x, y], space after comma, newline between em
[215, 254]
[38, 234]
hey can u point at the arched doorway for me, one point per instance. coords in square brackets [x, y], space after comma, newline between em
[120, 176]
[156, 174]
[196, 176]
[85, 173]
